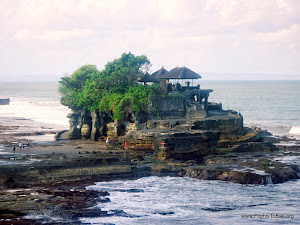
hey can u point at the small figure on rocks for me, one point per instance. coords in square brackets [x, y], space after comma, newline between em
[125, 148]
[107, 140]
[27, 145]
[20, 146]
[14, 148]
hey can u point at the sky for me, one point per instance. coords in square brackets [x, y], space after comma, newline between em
[219, 39]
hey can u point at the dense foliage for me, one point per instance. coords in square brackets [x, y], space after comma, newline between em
[112, 90]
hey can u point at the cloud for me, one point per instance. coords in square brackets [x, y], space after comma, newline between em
[53, 35]
[287, 35]
[206, 35]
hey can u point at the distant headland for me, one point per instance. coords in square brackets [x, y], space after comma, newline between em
[4, 101]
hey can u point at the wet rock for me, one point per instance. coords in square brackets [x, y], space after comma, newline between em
[284, 173]
[132, 190]
[67, 204]
[226, 175]
[59, 134]
[256, 147]
[184, 145]
[164, 213]
[218, 209]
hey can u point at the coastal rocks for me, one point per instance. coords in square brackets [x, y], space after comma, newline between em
[93, 125]
[4, 101]
[228, 165]
[256, 147]
[228, 140]
[58, 135]
[175, 144]
[260, 172]
[75, 124]
[226, 175]
[232, 124]
[53, 185]
[185, 145]
[80, 124]
[47, 203]
[139, 141]
[283, 173]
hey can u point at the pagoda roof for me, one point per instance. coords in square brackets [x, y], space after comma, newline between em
[181, 73]
[146, 78]
[159, 72]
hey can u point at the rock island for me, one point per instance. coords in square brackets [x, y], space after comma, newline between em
[125, 124]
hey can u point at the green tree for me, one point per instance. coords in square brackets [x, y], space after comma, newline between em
[72, 86]
[113, 90]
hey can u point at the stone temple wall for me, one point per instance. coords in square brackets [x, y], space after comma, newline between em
[175, 108]
[167, 108]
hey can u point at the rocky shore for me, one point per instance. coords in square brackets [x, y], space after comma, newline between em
[47, 182]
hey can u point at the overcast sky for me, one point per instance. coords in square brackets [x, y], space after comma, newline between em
[219, 39]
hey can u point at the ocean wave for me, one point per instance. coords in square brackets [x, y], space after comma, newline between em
[295, 130]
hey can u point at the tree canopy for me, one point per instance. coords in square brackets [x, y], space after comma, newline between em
[112, 90]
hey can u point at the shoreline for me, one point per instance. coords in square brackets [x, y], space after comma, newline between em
[56, 173]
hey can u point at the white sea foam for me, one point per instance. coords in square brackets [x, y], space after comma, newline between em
[295, 130]
[48, 112]
[175, 200]
[37, 102]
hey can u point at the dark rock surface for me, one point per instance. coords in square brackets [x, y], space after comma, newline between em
[256, 147]
[54, 184]
[185, 145]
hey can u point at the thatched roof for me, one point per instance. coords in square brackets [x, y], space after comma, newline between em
[181, 73]
[146, 78]
[159, 72]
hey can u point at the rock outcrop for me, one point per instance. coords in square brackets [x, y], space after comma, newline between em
[4, 101]
[174, 144]
[184, 138]
[183, 145]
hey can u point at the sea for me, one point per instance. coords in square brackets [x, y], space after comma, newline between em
[34, 107]
[271, 105]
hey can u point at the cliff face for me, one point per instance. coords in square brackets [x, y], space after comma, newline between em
[187, 130]
[181, 145]
[93, 125]
[171, 114]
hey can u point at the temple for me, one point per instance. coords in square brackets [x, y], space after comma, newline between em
[180, 117]
[181, 80]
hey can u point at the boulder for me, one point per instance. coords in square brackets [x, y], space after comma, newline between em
[256, 147]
